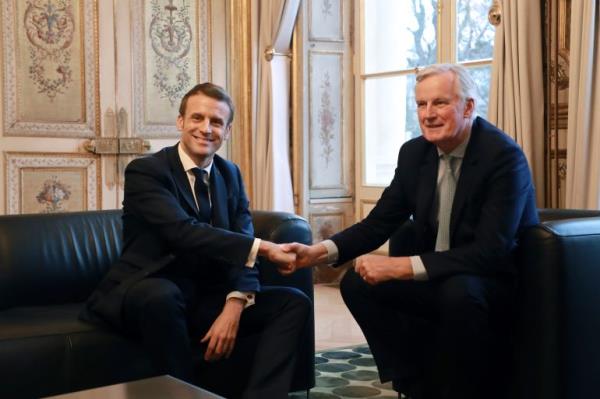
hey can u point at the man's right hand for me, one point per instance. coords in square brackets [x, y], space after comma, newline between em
[306, 256]
[275, 253]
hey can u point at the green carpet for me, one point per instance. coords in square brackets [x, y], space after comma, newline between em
[347, 373]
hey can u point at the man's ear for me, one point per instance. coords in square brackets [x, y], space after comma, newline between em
[227, 132]
[469, 108]
[179, 123]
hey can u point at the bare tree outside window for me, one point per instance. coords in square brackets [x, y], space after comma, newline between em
[399, 36]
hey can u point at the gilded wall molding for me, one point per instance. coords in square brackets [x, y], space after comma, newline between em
[240, 87]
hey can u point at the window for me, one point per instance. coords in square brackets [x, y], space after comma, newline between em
[397, 37]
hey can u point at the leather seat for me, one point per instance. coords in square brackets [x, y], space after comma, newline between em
[556, 351]
[49, 264]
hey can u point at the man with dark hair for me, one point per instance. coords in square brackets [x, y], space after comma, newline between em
[186, 279]
[436, 318]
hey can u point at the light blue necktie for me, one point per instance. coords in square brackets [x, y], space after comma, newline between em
[446, 197]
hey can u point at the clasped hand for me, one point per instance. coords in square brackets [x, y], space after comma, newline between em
[373, 269]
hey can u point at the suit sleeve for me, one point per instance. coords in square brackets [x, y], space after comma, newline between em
[150, 196]
[391, 211]
[488, 246]
[244, 278]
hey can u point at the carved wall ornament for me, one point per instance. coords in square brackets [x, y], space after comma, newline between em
[171, 37]
[559, 70]
[54, 194]
[326, 8]
[326, 120]
[50, 27]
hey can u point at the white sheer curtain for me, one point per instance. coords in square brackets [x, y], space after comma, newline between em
[516, 93]
[272, 175]
[583, 136]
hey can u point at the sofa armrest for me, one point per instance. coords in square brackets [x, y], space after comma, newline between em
[282, 227]
[558, 312]
[548, 214]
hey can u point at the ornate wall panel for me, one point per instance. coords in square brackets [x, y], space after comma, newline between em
[170, 55]
[50, 82]
[327, 217]
[52, 182]
[326, 119]
[325, 20]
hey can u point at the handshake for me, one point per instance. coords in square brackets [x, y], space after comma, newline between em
[293, 256]
[373, 269]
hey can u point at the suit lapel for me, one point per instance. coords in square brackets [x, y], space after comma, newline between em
[468, 175]
[427, 186]
[181, 178]
[218, 194]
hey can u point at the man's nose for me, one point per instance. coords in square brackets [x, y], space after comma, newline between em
[430, 111]
[205, 126]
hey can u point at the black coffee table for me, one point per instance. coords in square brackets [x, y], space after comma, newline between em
[161, 387]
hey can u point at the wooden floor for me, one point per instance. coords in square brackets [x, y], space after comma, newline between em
[334, 325]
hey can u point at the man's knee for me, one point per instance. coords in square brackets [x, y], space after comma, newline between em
[156, 296]
[298, 302]
[463, 297]
[351, 286]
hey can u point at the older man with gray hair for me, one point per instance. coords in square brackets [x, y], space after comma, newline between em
[436, 318]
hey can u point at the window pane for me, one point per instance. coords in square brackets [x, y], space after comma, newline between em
[482, 77]
[475, 35]
[390, 120]
[399, 34]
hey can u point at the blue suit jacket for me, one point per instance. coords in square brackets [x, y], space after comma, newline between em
[161, 228]
[494, 199]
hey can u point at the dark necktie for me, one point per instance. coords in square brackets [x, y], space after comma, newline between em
[202, 197]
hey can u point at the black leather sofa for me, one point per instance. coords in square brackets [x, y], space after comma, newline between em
[555, 342]
[49, 265]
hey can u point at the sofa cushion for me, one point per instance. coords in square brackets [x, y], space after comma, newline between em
[58, 353]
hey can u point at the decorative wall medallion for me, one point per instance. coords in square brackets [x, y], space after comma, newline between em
[47, 183]
[50, 29]
[170, 55]
[50, 74]
[171, 38]
[325, 20]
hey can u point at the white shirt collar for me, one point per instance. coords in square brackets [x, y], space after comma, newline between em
[187, 162]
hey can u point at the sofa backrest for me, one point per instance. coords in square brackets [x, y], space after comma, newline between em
[56, 258]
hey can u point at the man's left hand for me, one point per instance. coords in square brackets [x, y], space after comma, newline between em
[375, 269]
[223, 332]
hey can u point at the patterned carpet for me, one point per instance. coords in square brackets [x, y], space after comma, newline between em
[347, 373]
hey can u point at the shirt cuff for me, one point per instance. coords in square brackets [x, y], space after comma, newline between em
[419, 272]
[332, 251]
[253, 253]
[248, 296]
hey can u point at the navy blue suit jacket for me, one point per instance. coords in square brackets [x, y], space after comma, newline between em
[494, 200]
[161, 228]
